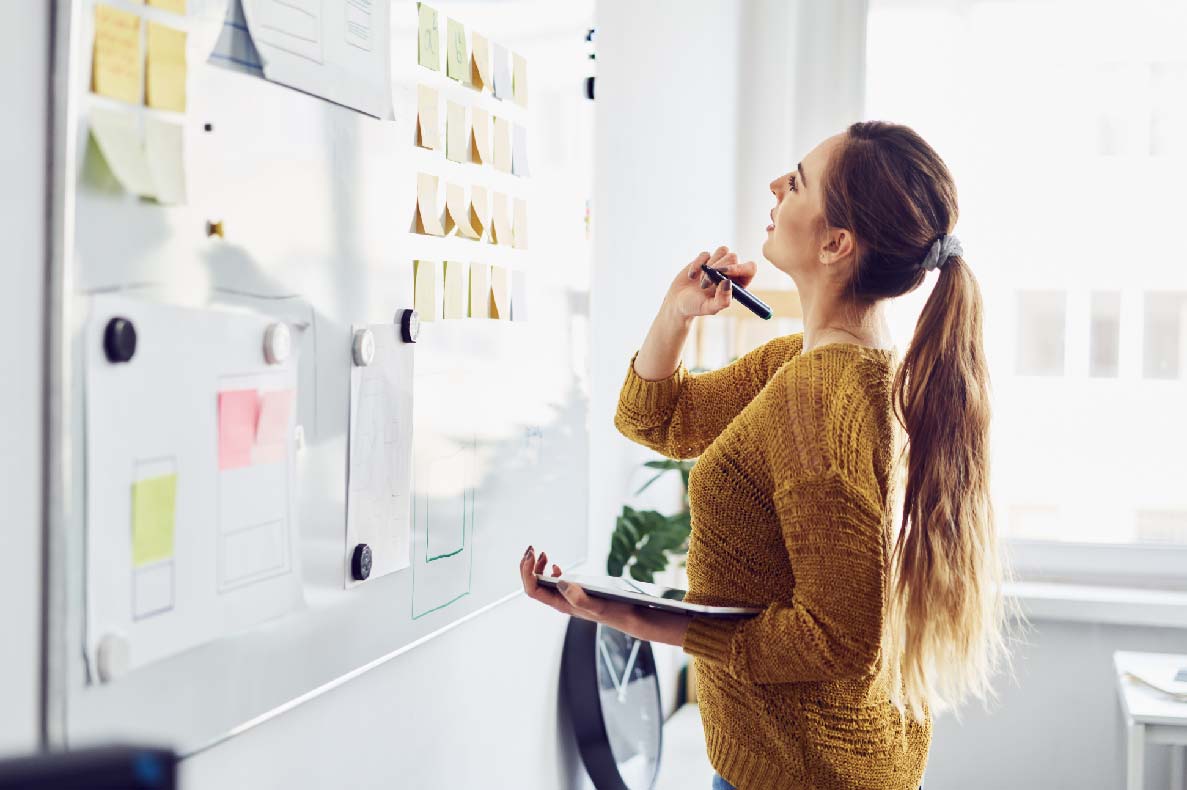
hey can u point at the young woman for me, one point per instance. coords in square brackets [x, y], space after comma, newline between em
[794, 499]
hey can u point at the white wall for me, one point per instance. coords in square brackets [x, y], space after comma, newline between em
[24, 39]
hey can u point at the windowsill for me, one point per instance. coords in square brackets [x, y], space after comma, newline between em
[1098, 604]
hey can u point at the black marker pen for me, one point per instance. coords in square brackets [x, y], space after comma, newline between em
[748, 300]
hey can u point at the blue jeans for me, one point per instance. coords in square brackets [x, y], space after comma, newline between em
[721, 784]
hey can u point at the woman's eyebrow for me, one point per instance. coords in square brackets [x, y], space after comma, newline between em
[800, 167]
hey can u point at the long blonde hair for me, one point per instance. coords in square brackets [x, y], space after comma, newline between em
[947, 620]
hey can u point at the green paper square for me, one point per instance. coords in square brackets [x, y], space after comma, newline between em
[430, 39]
[153, 503]
[456, 62]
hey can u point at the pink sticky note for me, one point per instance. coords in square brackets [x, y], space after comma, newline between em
[272, 427]
[238, 411]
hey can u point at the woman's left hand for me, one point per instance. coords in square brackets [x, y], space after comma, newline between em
[640, 622]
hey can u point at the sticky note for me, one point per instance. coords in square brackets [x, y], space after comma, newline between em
[479, 290]
[520, 230]
[502, 82]
[272, 426]
[164, 149]
[502, 132]
[479, 209]
[480, 136]
[238, 411]
[457, 280]
[424, 293]
[519, 151]
[501, 222]
[165, 81]
[429, 54]
[154, 503]
[456, 133]
[118, 136]
[428, 218]
[175, 6]
[456, 60]
[479, 62]
[427, 126]
[500, 294]
[457, 212]
[519, 296]
[115, 66]
[519, 80]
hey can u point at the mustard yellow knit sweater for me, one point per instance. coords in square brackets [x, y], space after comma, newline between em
[792, 511]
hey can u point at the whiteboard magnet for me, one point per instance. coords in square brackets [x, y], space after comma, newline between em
[409, 321]
[119, 340]
[363, 348]
[112, 657]
[360, 562]
[214, 228]
[278, 342]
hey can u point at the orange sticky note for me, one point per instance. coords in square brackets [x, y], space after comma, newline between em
[502, 144]
[479, 209]
[428, 218]
[238, 411]
[165, 83]
[500, 222]
[115, 67]
[480, 136]
[479, 62]
[427, 126]
[457, 212]
[500, 294]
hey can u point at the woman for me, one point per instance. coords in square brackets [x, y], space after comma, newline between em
[793, 498]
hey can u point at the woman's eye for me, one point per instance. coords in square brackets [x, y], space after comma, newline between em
[791, 182]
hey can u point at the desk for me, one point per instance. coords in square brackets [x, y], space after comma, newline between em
[1150, 716]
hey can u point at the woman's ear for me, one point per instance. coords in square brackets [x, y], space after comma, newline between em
[838, 245]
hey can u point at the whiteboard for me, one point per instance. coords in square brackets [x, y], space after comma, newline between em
[317, 205]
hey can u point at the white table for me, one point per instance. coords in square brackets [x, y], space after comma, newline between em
[1150, 716]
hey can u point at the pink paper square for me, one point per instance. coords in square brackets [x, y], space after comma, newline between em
[238, 411]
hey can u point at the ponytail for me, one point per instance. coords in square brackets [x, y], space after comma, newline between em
[946, 613]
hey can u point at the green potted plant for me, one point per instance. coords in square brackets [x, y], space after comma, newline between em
[645, 542]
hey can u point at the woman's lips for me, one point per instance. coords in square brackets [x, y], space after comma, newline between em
[770, 228]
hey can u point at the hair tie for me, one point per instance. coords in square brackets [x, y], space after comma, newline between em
[941, 249]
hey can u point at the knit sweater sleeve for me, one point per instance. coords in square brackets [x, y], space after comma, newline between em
[832, 527]
[681, 415]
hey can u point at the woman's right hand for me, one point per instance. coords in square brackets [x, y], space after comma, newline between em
[692, 293]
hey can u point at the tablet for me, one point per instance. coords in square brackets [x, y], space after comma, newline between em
[653, 596]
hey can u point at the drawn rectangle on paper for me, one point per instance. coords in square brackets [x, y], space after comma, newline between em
[447, 500]
[358, 24]
[291, 25]
[251, 553]
[379, 477]
[252, 511]
[152, 590]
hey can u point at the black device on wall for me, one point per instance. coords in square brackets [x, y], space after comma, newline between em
[99, 768]
[612, 695]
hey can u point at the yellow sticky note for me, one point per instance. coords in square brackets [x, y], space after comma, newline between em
[175, 6]
[428, 218]
[115, 68]
[479, 136]
[479, 209]
[424, 293]
[455, 52]
[521, 224]
[500, 222]
[165, 83]
[153, 502]
[479, 62]
[457, 212]
[500, 294]
[479, 290]
[457, 278]
[456, 133]
[519, 79]
[429, 54]
[502, 144]
[427, 126]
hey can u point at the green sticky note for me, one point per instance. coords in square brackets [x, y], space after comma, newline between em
[430, 46]
[152, 519]
[456, 61]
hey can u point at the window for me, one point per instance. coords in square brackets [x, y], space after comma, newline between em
[1065, 126]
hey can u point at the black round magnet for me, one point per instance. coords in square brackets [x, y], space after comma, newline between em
[409, 325]
[360, 562]
[119, 340]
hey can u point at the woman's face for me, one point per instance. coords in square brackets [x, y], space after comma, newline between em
[796, 236]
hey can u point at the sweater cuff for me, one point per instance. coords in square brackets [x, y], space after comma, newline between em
[711, 639]
[650, 402]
